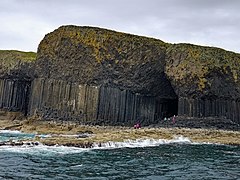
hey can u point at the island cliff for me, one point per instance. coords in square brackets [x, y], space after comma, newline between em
[206, 80]
[98, 76]
[16, 74]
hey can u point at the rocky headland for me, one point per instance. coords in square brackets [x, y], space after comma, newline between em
[131, 78]
[92, 76]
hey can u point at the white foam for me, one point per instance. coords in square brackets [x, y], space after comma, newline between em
[42, 149]
[43, 135]
[76, 166]
[61, 150]
[11, 131]
[142, 143]
[48, 150]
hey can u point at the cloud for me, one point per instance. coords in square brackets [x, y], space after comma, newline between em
[206, 22]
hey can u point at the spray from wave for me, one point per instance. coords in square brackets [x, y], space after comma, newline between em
[31, 148]
[142, 143]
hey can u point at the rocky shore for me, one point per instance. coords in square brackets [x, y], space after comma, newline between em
[200, 123]
[86, 136]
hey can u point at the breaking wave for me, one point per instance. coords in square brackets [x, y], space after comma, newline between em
[142, 143]
[41, 149]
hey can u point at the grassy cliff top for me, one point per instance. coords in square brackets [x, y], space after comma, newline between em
[15, 62]
[203, 68]
[105, 44]
[98, 55]
[6, 55]
[11, 58]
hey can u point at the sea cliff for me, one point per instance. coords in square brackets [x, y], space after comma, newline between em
[96, 76]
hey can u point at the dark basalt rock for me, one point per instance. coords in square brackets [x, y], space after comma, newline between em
[17, 65]
[98, 76]
[198, 71]
[160, 79]
[97, 56]
[16, 74]
[19, 143]
[206, 80]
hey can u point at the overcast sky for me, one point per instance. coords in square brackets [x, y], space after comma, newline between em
[23, 23]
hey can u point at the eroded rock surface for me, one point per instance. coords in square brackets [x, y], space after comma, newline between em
[97, 56]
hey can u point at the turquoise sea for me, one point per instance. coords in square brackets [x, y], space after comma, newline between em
[142, 159]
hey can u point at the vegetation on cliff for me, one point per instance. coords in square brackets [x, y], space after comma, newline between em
[15, 63]
[102, 43]
[103, 57]
[201, 81]
[203, 71]
[98, 56]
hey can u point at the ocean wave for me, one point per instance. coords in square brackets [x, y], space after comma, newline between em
[41, 149]
[32, 148]
[142, 143]
[10, 131]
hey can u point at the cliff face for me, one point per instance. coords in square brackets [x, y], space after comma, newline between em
[16, 74]
[98, 76]
[206, 80]
[97, 56]
[190, 80]
[103, 77]
[17, 64]
[198, 72]
[143, 65]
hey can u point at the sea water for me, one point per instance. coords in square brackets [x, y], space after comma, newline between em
[141, 159]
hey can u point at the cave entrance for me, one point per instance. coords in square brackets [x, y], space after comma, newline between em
[166, 108]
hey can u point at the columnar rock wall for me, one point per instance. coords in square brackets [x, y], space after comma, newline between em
[14, 95]
[124, 107]
[98, 76]
[206, 80]
[224, 108]
[127, 71]
[61, 100]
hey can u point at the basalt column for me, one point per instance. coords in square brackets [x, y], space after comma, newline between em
[206, 79]
[61, 100]
[120, 107]
[99, 76]
[224, 108]
[14, 95]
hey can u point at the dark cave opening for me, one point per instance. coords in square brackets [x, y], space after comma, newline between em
[166, 108]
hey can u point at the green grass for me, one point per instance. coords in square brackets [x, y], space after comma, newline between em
[193, 63]
[9, 59]
[104, 44]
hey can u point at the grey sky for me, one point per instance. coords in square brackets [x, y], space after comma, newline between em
[23, 23]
